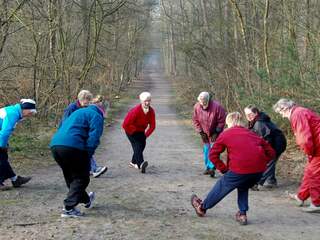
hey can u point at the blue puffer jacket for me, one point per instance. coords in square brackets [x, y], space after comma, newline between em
[81, 130]
[9, 116]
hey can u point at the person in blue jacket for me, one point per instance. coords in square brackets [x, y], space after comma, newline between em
[72, 147]
[84, 98]
[9, 117]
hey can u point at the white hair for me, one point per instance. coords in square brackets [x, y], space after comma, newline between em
[234, 119]
[204, 95]
[85, 95]
[283, 104]
[144, 96]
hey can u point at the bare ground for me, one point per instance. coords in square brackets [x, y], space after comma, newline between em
[155, 205]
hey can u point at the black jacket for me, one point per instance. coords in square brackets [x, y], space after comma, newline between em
[263, 126]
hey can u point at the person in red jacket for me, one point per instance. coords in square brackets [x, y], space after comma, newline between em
[208, 120]
[305, 125]
[139, 124]
[248, 155]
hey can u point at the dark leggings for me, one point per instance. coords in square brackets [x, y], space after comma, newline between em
[138, 143]
[75, 165]
[5, 168]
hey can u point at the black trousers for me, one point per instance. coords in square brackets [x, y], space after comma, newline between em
[75, 165]
[5, 168]
[138, 143]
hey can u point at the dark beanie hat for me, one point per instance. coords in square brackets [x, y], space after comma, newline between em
[28, 104]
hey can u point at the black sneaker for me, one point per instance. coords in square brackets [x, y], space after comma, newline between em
[4, 187]
[20, 181]
[143, 167]
[212, 173]
[255, 187]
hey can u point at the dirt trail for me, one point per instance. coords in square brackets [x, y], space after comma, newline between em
[155, 205]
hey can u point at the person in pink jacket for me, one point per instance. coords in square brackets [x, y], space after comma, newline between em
[208, 120]
[305, 125]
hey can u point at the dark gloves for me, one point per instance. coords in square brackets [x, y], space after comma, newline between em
[214, 137]
[204, 137]
[215, 134]
[3, 150]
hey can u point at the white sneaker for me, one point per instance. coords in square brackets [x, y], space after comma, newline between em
[295, 197]
[133, 165]
[92, 197]
[312, 208]
[99, 171]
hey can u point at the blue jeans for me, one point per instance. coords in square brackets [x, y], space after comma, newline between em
[226, 184]
[93, 164]
[206, 149]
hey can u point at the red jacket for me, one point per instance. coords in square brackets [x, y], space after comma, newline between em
[306, 127]
[247, 152]
[207, 120]
[137, 121]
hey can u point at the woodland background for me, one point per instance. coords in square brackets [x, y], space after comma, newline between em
[242, 51]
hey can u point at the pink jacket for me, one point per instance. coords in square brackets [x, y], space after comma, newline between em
[207, 120]
[306, 127]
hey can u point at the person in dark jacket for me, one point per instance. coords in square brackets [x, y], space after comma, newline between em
[247, 157]
[260, 123]
[72, 147]
[84, 99]
[9, 117]
[139, 124]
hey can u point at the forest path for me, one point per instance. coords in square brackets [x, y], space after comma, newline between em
[155, 205]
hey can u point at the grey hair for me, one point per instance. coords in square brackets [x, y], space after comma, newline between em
[283, 104]
[85, 95]
[204, 95]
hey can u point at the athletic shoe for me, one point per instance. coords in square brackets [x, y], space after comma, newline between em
[212, 173]
[99, 171]
[197, 205]
[143, 167]
[133, 165]
[255, 187]
[312, 208]
[4, 187]
[206, 172]
[92, 197]
[270, 185]
[241, 218]
[295, 197]
[72, 213]
[20, 181]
